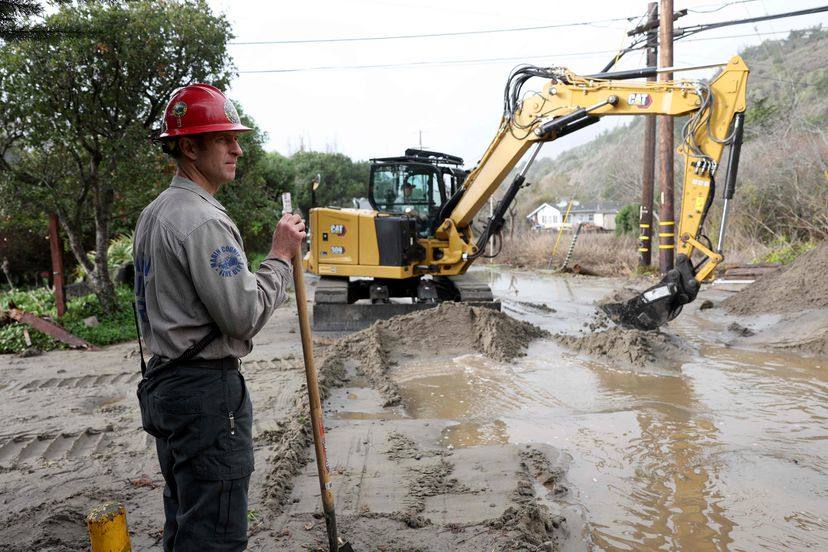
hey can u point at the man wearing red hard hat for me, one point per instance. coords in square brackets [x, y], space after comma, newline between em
[198, 307]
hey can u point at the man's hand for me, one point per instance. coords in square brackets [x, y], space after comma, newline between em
[287, 238]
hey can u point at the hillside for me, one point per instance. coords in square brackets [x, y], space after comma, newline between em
[784, 144]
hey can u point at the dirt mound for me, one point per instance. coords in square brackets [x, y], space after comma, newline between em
[798, 287]
[817, 345]
[450, 329]
[454, 327]
[621, 347]
[60, 528]
[628, 348]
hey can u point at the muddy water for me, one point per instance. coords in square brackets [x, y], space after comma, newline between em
[728, 453]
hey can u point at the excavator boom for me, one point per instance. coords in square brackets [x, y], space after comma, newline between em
[568, 103]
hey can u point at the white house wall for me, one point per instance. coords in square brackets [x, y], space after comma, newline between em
[550, 218]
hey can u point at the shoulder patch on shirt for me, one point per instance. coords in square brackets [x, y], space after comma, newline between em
[227, 261]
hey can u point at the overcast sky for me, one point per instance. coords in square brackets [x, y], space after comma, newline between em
[377, 112]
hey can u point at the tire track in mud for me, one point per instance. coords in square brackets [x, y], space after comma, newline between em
[286, 364]
[74, 382]
[32, 449]
[277, 383]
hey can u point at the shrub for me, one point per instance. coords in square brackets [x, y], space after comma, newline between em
[118, 253]
[784, 251]
[112, 328]
[603, 253]
[255, 259]
[626, 220]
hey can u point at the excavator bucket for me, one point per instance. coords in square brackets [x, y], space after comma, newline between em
[659, 304]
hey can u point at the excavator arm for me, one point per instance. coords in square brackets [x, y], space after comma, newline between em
[567, 103]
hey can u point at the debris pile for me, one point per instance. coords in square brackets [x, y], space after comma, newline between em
[798, 287]
[627, 348]
[621, 347]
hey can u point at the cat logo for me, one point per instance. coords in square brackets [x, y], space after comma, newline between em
[640, 99]
[338, 229]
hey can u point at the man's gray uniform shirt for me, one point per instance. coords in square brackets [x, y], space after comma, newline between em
[191, 272]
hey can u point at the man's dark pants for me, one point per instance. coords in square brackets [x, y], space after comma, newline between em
[201, 416]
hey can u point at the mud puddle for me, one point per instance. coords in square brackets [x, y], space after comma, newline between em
[724, 451]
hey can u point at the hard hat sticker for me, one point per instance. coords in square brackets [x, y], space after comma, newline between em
[179, 109]
[230, 111]
[226, 260]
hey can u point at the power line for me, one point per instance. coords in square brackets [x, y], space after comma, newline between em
[753, 34]
[422, 63]
[432, 35]
[682, 32]
[473, 61]
[467, 33]
[721, 7]
[693, 29]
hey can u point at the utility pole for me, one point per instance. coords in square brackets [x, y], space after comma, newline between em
[646, 219]
[666, 222]
[56, 250]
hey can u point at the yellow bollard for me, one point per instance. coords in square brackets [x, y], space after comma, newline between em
[108, 528]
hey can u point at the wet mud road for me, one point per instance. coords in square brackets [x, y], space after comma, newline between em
[725, 450]
[719, 445]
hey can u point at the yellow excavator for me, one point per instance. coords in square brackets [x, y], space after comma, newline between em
[417, 241]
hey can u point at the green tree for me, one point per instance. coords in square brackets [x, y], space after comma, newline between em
[342, 179]
[78, 112]
[626, 220]
[16, 21]
[278, 172]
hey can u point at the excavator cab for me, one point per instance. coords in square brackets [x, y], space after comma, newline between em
[417, 184]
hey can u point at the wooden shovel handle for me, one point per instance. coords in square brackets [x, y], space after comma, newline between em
[317, 421]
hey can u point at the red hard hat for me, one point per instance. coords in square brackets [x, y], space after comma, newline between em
[199, 108]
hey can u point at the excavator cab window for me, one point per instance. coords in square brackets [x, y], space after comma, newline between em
[420, 184]
[410, 189]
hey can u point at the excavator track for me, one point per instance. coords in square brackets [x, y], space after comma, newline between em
[338, 308]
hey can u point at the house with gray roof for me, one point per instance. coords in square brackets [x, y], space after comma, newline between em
[601, 214]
